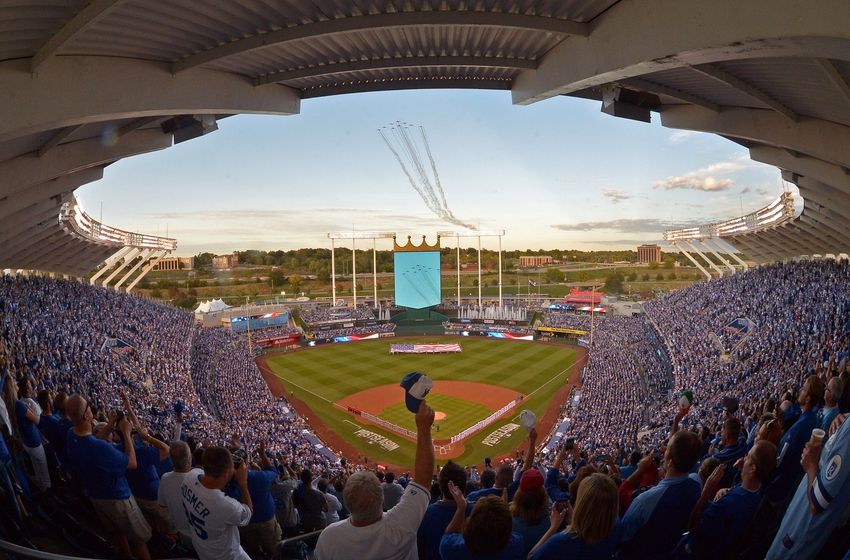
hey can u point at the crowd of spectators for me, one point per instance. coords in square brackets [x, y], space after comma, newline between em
[351, 331]
[272, 332]
[183, 418]
[482, 327]
[318, 315]
[570, 320]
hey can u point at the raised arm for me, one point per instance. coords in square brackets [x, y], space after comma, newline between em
[424, 466]
[529, 454]
[456, 524]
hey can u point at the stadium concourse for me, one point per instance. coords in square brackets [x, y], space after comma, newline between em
[194, 392]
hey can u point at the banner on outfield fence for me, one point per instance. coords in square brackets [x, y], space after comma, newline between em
[561, 330]
[424, 348]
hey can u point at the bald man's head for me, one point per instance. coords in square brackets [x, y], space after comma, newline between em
[76, 408]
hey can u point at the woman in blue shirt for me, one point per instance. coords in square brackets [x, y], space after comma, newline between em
[592, 532]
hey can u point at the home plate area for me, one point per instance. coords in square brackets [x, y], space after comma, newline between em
[462, 409]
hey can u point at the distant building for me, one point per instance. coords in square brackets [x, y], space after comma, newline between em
[535, 261]
[221, 262]
[649, 254]
[175, 263]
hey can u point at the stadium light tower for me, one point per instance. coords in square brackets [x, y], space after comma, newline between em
[353, 236]
[479, 234]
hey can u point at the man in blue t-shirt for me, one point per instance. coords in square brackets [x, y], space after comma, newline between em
[820, 502]
[439, 514]
[788, 469]
[720, 518]
[733, 448]
[101, 469]
[657, 518]
[263, 533]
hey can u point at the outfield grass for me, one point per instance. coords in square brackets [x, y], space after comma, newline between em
[323, 375]
[460, 414]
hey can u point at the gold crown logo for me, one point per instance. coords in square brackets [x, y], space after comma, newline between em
[410, 247]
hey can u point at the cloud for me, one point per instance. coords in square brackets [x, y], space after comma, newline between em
[693, 183]
[628, 225]
[616, 196]
[280, 229]
[705, 178]
[680, 136]
[745, 190]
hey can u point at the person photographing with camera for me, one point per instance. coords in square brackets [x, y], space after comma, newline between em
[213, 517]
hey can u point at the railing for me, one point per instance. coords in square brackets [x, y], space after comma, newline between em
[75, 221]
[776, 213]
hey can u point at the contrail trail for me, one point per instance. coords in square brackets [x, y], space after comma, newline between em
[403, 146]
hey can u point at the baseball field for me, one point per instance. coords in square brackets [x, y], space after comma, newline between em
[335, 384]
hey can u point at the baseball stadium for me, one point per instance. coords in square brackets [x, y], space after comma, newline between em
[418, 388]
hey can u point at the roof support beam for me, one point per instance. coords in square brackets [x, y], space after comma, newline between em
[796, 242]
[798, 237]
[426, 83]
[835, 77]
[750, 250]
[393, 63]
[660, 89]
[110, 262]
[92, 12]
[91, 89]
[684, 33]
[773, 248]
[833, 238]
[820, 139]
[807, 225]
[25, 171]
[31, 215]
[825, 172]
[61, 185]
[30, 237]
[711, 249]
[59, 137]
[55, 249]
[716, 73]
[382, 21]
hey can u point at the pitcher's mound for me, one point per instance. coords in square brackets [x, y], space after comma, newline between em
[439, 415]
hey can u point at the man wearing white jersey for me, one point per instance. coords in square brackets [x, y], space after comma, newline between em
[213, 517]
[170, 494]
[370, 533]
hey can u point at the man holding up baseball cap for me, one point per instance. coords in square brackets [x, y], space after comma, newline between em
[371, 533]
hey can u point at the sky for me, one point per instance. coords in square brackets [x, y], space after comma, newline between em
[555, 174]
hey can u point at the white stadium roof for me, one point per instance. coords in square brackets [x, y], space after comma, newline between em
[83, 84]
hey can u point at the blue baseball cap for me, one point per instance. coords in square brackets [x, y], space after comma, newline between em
[416, 386]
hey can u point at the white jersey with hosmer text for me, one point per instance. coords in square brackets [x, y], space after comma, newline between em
[803, 533]
[213, 520]
[171, 498]
[391, 538]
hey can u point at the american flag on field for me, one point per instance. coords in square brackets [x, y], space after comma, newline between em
[423, 348]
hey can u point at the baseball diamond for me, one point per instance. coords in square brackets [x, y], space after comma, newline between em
[346, 388]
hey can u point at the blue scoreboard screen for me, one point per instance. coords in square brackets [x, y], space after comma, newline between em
[417, 279]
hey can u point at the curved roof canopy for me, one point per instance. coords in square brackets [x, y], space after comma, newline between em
[85, 83]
